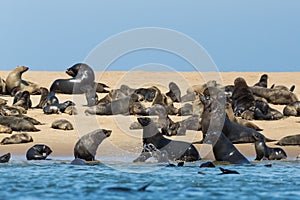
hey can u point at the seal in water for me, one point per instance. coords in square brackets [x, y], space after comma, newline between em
[38, 152]
[177, 150]
[5, 158]
[75, 85]
[87, 145]
[17, 139]
[265, 152]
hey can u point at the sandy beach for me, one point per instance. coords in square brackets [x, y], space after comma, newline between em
[125, 143]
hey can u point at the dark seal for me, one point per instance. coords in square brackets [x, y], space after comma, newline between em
[177, 150]
[265, 152]
[263, 81]
[38, 152]
[87, 145]
[5, 158]
[75, 85]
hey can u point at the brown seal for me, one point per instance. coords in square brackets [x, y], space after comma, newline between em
[263, 81]
[17, 139]
[292, 109]
[289, 140]
[275, 96]
[242, 97]
[62, 124]
[5, 129]
[15, 83]
[17, 123]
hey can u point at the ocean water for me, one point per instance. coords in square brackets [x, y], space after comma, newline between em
[58, 179]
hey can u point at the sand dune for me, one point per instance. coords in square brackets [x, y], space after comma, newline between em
[125, 143]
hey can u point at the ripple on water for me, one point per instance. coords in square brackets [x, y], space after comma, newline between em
[54, 179]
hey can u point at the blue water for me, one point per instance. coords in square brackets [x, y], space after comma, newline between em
[53, 179]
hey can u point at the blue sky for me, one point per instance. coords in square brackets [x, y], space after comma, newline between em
[249, 35]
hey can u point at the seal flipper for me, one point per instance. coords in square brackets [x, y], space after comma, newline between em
[143, 188]
[292, 88]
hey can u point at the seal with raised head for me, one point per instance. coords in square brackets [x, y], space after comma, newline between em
[263, 81]
[174, 92]
[22, 99]
[289, 140]
[44, 94]
[5, 158]
[242, 97]
[85, 76]
[17, 139]
[38, 152]
[14, 82]
[62, 124]
[265, 152]
[86, 147]
[177, 150]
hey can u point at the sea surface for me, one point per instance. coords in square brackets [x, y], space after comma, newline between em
[58, 179]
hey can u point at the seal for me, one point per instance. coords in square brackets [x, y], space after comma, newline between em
[263, 81]
[38, 152]
[22, 99]
[17, 139]
[177, 150]
[240, 121]
[263, 111]
[84, 77]
[289, 140]
[87, 145]
[62, 124]
[14, 82]
[17, 123]
[214, 117]
[265, 152]
[56, 108]
[242, 97]
[292, 109]
[275, 96]
[44, 94]
[5, 158]
[99, 87]
[5, 129]
[78, 161]
[2, 86]
[283, 87]
[174, 92]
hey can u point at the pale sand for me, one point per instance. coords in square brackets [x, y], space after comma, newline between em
[125, 143]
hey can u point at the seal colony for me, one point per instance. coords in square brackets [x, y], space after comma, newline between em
[155, 112]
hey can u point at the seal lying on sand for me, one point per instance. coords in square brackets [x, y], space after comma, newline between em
[292, 109]
[62, 124]
[17, 139]
[87, 145]
[38, 152]
[177, 150]
[265, 152]
[275, 96]
[282, 87]
[84, 77]
[17, 123]
[289, 140]
[5, 158]
[14, 82]
[263, 111]
[5, 129]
